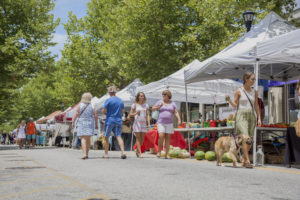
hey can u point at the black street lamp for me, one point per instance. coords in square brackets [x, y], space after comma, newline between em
[248, 19]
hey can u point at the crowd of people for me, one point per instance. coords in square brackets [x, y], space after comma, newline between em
[117, 121]
[247, 117]
[25, 132]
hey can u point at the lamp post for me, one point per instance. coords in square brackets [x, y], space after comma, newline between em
[248, 19]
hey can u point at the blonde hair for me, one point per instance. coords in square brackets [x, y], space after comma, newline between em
[246, 76]
[168, 93]
[86, 97]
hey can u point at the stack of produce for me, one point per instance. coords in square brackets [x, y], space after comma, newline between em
[176, 152]
[279, 125]
[209, 155]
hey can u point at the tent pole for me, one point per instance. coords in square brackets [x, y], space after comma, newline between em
[256, 71]
[187, 117]
[215, 111]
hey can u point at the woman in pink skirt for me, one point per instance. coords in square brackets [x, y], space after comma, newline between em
[140, 112]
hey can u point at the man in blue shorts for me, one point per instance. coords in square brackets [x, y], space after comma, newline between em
[114, 109]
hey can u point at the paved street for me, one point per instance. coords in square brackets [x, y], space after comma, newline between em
[61, 174]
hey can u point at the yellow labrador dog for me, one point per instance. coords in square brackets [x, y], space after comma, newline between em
[228, 144]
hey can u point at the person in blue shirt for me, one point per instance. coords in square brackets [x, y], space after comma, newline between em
[114, 109]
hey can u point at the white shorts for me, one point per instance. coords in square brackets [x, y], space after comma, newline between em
[165, 128]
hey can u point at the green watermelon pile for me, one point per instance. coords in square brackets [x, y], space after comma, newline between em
[209, 155]
[199, 155]
[176, 152]
[226, 158]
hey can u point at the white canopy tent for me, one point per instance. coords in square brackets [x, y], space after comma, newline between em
[272, 59]
[127, 95]
[281, 49]
[206, 92]
[242, 55]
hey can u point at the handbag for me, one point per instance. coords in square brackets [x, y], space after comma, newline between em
[126, 129]
[155, 114]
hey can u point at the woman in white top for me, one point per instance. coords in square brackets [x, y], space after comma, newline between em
[21, 133]
[140, 112]
[246, 101]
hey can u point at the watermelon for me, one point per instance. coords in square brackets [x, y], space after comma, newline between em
[171, 153]
[210, 155]
[226, 158]
[199, 155]
[177, 152]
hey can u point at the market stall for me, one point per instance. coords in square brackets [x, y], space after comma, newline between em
[206, 92]
[255, 50]
[151, 140]
[45, 127]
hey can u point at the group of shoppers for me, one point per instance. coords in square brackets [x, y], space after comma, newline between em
[26, 132]
[85, 120]
[245, 99]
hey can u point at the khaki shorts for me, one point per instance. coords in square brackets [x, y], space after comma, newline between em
[245, 122]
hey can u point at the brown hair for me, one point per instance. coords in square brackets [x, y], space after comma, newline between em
[246, 76]
[137, 97]
[168, 93]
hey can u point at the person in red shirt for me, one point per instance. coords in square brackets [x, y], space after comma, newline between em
[30, 132]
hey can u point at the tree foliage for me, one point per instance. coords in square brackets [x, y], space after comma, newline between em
[26, 29]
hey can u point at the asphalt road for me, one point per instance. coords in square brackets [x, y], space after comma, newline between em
[61, 174]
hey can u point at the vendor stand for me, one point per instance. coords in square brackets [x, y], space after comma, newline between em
[273, 56]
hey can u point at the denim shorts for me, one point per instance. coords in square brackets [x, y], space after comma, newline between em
[115, 128]
[30, 137]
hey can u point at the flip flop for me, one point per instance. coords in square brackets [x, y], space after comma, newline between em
[123, 156]
[140, 156]
[158, 155]
[248, 165]
[105, 157]
[168, 157]
[84, 157]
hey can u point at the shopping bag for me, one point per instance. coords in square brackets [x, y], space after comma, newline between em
[155, 114]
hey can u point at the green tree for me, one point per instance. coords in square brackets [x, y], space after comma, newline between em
[150, 39]
[26, 29]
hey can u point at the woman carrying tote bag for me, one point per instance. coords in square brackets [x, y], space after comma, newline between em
[246, 101]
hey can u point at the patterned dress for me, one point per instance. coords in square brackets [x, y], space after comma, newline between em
[85, 125]
[140, 120]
